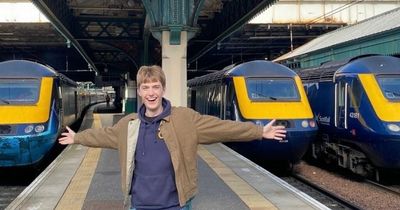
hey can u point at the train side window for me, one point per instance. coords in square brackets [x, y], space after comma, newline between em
[355, 93]
[59, 93]
[193, 98]
[229, 101]
[341, 95]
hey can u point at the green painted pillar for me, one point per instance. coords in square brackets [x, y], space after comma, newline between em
[130, 100]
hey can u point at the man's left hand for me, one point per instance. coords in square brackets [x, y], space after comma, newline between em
[274, 132]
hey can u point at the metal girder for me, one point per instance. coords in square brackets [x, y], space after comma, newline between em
[234, 14]
[122, 53]
[111, 29]
[61, 18]
[110, 56]
[130, 20]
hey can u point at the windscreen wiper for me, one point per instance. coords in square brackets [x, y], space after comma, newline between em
[395, 93]
[265, 96]
[4, 101]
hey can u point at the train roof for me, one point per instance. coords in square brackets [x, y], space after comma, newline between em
[18, 68]
[258, 68]
[371, 64]
[379, 64]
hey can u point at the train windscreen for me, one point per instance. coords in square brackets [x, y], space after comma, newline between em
[19, 91]
[272, 89]
[390, 86]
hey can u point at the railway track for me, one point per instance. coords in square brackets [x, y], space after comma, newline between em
[15, 179]
[8, 194]
[391, 189]
[12, 182]
[327, 198]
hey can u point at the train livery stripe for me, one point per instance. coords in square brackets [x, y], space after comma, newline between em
[386, 110]
[272, 110]
[36, 113]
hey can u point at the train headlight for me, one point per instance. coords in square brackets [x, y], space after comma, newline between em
[28, 129]
[393, 127]
[39, 128]
[304, 123]
[258, 122]
[312, 123]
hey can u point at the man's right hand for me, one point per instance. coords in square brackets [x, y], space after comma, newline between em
[67, 137]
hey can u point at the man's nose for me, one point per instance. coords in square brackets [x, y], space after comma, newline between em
[151, 91]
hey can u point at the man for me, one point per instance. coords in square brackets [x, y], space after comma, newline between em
[158, 145]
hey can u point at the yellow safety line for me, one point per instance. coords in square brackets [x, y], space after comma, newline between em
[250, 196]
[75, 194]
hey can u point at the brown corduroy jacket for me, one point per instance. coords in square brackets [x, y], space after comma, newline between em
[182, 131]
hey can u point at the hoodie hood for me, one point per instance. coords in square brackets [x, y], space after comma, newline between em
[166, 104]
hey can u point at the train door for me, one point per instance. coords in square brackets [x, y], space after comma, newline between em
[223, 102]
[341, 105]
[192, 98]
[355, 92]
[60, 104]
[76, 104]
[229, 101]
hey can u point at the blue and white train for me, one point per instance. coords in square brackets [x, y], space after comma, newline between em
[357, 105]
[259, 91]
[36, 102]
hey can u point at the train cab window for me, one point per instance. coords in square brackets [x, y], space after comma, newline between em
[355, 93]
[390, 86]
[272, 89]
[19, 91]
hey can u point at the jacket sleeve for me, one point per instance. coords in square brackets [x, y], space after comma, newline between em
[211, 129]
[100, 137]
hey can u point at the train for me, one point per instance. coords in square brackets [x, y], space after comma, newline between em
[259, 91]
[36, 102]
[356, 102]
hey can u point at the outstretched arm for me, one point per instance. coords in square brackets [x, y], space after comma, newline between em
[67, 137]
[274, 132]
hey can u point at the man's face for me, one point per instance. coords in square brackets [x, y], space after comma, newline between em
[151, 94]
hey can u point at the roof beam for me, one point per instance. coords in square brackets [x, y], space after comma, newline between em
[61, 18]
[234, 14]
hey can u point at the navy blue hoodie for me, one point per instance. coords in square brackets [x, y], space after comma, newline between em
[153, 182]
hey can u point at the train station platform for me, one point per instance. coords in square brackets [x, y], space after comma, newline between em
[89, 178]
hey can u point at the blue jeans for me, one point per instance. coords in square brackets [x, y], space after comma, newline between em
[187, 206]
